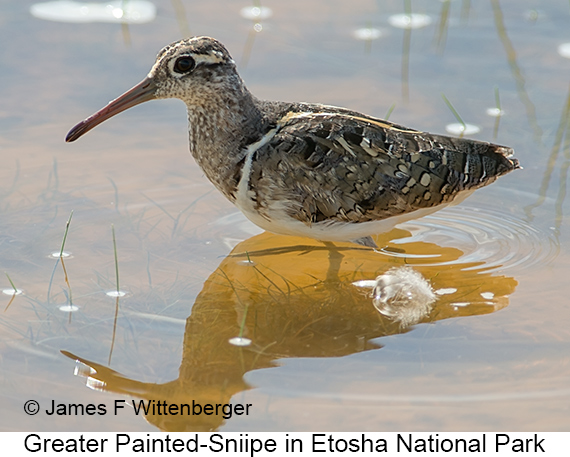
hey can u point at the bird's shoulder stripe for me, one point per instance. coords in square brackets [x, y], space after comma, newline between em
[298, 115]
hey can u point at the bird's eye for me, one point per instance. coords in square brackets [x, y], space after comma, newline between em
[184, 65]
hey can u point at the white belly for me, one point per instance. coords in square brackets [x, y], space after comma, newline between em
[281, 223]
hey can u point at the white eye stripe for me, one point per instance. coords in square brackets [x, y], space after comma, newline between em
[212, 58]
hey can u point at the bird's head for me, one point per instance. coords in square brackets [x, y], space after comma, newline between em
[196, 70]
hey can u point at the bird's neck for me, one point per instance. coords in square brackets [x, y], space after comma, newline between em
[219, 133]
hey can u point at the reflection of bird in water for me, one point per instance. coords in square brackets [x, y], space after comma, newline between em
[277, 296]
[307, 169]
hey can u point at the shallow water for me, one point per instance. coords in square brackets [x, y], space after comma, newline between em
[490, 354]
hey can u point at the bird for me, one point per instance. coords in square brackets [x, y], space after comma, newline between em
[307, 169]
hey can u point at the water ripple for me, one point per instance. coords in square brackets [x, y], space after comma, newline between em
[493, 238]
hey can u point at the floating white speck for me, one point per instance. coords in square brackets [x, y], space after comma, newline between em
[256, 13]
[11, 291]
[69, 308]
[367, 34]
[82, 370]
[116, 293]
[365, 283]
[409, 21]
[495, 112]
[487, 295]
[533, 15]
[248, 263]
[118, 13]
[85, 371]
[449, 290]
[239, 341]
[460, 129]
[64, 255]
[257, 27]
[130, 12]
[564, 50]
[95, 384]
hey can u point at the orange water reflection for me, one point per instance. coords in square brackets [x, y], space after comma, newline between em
[280, 293]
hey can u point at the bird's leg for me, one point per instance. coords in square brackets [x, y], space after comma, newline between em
[335, 259]
[366, 241]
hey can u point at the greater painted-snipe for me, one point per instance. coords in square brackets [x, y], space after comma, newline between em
[307, 169]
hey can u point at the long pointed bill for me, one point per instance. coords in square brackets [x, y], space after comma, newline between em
[142, 92]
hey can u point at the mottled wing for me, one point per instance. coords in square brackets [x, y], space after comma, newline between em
[349, 168]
